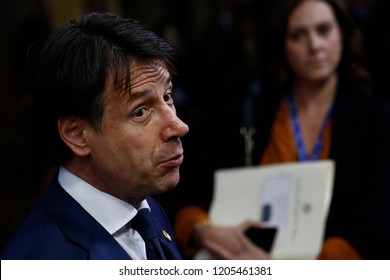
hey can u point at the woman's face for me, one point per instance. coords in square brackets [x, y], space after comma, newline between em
[313, 42]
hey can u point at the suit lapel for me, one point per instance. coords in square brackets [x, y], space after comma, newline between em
[165, 233]
[170, 250]
[80, 227]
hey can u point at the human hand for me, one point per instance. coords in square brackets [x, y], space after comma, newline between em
[231, 243]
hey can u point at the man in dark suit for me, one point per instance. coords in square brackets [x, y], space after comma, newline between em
[103, 88]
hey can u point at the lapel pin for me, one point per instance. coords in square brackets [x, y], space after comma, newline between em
[167, 236]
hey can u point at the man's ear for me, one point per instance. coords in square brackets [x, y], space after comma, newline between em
[71, 130]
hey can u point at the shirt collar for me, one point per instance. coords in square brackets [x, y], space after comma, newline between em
[111, 212]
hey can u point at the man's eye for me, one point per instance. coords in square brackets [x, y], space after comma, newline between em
[168, 98]
[139, 112]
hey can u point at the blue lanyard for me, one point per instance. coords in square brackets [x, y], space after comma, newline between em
[302, 156]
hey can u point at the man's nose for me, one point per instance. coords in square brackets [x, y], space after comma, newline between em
[174, 126]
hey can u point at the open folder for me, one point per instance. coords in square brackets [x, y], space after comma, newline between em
[294, 197]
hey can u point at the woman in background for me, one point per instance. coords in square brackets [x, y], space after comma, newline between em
[316, 105]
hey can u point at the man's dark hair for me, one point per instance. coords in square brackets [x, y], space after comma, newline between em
[72, 64]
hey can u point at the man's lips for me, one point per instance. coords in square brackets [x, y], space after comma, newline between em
[174, 161]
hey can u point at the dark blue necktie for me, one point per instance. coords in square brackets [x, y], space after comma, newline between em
[144, 225]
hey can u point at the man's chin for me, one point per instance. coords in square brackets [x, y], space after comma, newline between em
[167, 186]
[171, 186]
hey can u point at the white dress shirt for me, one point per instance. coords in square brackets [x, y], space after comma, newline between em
[112, 213]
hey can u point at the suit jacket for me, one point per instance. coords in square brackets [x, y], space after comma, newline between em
[59, 228]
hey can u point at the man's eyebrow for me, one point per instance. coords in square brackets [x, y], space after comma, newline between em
[139, 94]
[168, 79]
[136, 95]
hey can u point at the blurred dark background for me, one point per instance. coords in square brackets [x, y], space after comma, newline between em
[220, 46]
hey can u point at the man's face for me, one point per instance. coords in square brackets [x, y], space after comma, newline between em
[138, 150]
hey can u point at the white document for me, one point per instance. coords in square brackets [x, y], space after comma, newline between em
[294, 197]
